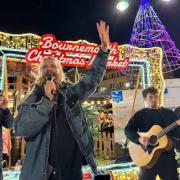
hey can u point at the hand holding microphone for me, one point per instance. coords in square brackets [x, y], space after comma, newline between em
[50, 87]
[3, 102]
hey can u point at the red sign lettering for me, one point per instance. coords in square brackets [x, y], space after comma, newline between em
[73, 53]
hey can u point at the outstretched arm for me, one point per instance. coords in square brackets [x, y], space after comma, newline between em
[89, 83]
[103, 31]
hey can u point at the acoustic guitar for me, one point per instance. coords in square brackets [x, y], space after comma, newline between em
[158, 143]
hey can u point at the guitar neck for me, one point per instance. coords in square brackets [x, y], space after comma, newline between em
[167, 129]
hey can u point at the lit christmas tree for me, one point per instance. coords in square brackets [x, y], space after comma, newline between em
[148, 31]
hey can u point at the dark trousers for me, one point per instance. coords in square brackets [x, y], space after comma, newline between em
[103, 177]
[166, 168]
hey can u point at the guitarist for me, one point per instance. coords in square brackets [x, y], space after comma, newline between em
[142, 121]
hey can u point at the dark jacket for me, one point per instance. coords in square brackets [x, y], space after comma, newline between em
[33, 117]
[143, 120]
[6, 120]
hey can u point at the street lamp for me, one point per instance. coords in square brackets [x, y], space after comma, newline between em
[166, 0]
[122, 5]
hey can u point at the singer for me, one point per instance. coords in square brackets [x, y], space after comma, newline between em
[58, 140]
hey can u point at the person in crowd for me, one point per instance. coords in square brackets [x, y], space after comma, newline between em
[6, 120]
[104, 124]
[110, 123]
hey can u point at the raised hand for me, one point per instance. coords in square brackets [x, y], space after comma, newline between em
[49, 88]
[3, 102]
[103, 31]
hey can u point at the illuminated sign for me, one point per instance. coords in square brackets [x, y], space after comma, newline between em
[74, 53]
[117, 96]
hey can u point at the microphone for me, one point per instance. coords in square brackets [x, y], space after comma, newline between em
[50, 77]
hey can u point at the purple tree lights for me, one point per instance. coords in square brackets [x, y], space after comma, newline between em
[148, 31]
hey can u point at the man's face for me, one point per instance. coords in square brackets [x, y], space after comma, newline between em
[151, 100]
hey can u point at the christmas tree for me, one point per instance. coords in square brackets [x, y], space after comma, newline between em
[148, 31]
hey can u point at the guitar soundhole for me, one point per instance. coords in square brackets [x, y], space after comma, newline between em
[153, 140]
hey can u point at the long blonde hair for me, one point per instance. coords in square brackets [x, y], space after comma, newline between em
[36, 74]
[60, 75]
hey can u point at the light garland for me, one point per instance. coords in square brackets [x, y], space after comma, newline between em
[98, 102]
[19, 41]
[128, 174]
[151, 57]
[4, 57]
[121, 171]
[154, 57]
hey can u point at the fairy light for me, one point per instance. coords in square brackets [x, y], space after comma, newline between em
[105, 102]
[19, 41]
[85, 102]
[98, 102]
[92, 102]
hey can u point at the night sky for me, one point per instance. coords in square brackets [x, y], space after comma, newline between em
[73, 20]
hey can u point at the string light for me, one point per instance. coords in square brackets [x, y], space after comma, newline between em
[19, 35]
[92, 102]
[98, 102]
[85, 102]
[19, 41]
